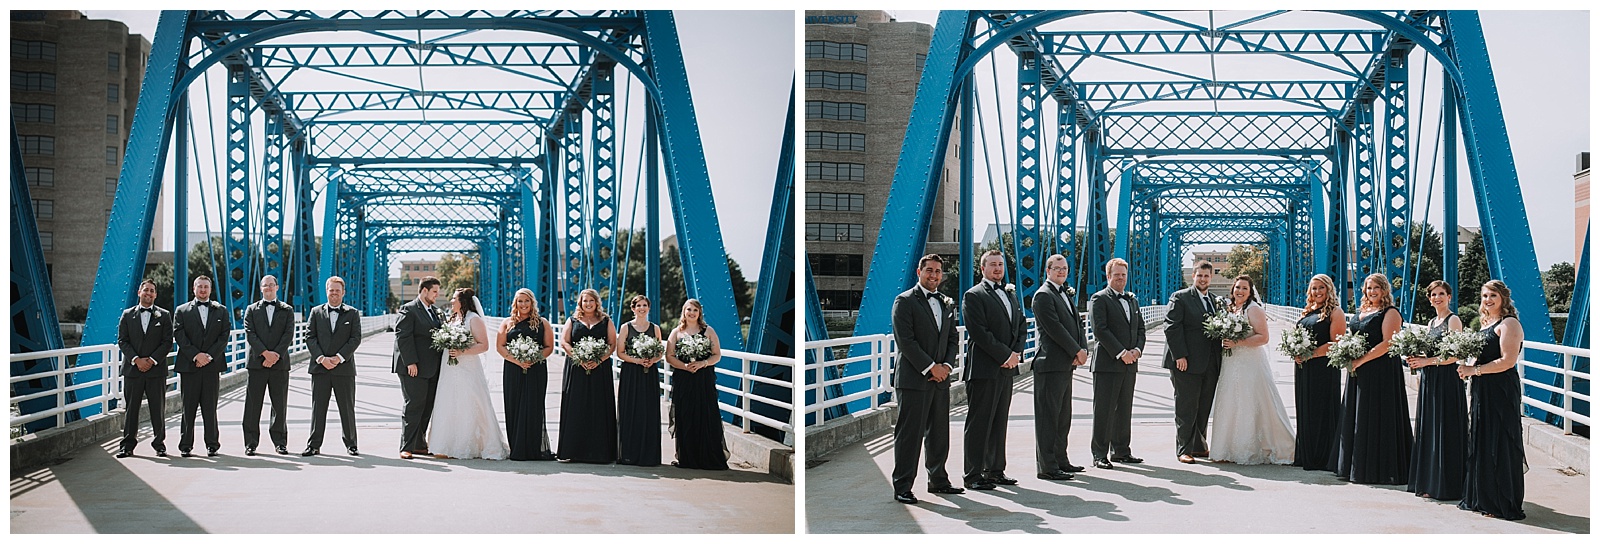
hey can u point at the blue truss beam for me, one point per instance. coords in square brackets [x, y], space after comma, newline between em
[1369, 243]
[540, 105]
[602, 227]
[576, 262]
[272, 181]
[1066, 220]
[1026, 236]
[432, 53]
[233, 288]
[1396, 203]
[34, 322]
[772, 319]
[1202, 42]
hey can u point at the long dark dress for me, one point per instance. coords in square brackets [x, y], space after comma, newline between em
[1375, 430]
[588, 405]
[1439, 461]
[697, 420]
[639, 407]
[1495, 460]
[1316, 404]
[524, 394]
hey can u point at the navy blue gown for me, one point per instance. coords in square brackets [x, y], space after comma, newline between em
[1495, 459]
[1439, 462]
[1316, 404]
[1375, 431]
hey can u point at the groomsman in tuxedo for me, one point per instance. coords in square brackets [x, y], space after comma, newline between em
[417, 363]
[144, 336]
[1119, 342]
[925, 330]
[1195, 362]
[200, 328]
[995, 332]
[268, 329]
[333, 332]
[1061, 350]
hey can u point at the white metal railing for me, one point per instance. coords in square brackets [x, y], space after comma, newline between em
[1569, 355]
[110, 367]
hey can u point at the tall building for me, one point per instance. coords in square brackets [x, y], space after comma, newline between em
[862, 70]
[406, 285]
[74, 85]
[1580, 206]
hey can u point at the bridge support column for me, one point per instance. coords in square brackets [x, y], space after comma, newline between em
[233, 283]
[1025, 231]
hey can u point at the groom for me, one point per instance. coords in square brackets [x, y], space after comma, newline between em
[1195, 362]
[417, 363]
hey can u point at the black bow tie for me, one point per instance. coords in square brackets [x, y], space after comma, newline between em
[147, 310]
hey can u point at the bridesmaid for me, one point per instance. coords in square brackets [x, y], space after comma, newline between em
[1316, 385]
[1375, 435]
[1438, 463]
[525, 382]
[1495, 461]
[588, 406]
[639, 392]
[696, 416]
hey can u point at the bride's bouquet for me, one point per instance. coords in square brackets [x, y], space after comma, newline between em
[526, 349]
[647, 348]
[1297, 343]
[1465, 346]
[693, 348]
[1346, 349]
[452, 335]
[1411, 342]
[588, 350]
[1225, 325]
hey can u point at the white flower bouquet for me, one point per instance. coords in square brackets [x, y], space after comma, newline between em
[693, 348]
[1346, 349]
[1297, 343]
[1465, 346]
[452, 335]
[526, 349]
[1412, 342]
[1225, 325]
[647, 348]
[588, 350]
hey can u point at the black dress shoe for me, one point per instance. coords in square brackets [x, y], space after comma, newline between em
[250, 452]
[310, 452]
[161, 453]
[186, 453]
[947, 490]
[353, 452]
[211, 453]
[1129, 459]
[1055, 475]
[905, 498]
[1003, 480]
[981, 485]
[283, 450]
[122, 454]
[1102, 463]
[1072, 468]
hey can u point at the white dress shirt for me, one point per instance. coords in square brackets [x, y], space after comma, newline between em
[144, 317]
[1000, 290]
[205, 312]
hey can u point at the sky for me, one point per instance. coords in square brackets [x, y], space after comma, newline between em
[741, 71]
[1541, 63]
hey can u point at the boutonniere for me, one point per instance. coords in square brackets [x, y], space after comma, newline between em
[947, 301]
[1070, 290]
[1132, 296]
[1011, 288]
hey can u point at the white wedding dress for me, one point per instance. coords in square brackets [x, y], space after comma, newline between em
[1248, 423]
[463, 424]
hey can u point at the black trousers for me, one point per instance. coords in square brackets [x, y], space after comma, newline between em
[148, 390]
[199, 391]
[1192, 393]
[265, 382]
[1052, 413]
[1113, 414]
[343, 388]
[924, 419]
[984, 436]
[419, 394]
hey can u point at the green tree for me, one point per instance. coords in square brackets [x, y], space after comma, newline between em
[162, 275]
[1472, 269]
[1558, 283]
[1248, 260]
[457, 271]
[1427, 267]
[200, 263]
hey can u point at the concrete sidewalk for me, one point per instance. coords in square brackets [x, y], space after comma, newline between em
[377, 492]
[850, 491]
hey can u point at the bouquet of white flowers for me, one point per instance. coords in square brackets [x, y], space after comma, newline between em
[1465, 346]
[452, 335]
[1346, 349]
[647, 348]
[526, 349]
[1296, 342]
[693, 348]
[1412, 342]
[1225, 325]
[588, 350]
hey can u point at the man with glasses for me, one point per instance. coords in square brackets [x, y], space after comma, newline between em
[1062, 349]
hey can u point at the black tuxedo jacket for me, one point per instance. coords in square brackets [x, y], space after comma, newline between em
[263, 337]
[1060, 333]
[134, 341]
[992, 334]
[1186, 338]
[1114, 331]
[324, 340]
[194, 337]
[413, 341]
[923, 339]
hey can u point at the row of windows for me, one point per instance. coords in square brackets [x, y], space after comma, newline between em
[836, 264]
[33, 50]
[839, 81]
[836, 202]
[40, 177]
[834, 232]
[33, 113]
[843, 111]
[818, 49]
[43, 82]
[113, 62]
[111, 189]
[839, 299]
[37, 145]
[44, 208]
[836, 141]
[835, 171]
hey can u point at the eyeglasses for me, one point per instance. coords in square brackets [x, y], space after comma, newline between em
[1055, 268]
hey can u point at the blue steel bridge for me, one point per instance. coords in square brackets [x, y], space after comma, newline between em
[331, 143]
[1322, 137]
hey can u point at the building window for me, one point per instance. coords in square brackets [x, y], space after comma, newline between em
[835, 171]
[836, 202]
[47, 240]
[44, 209]
[114, 62]
[111, 186]
[833, 264]
[43, 82]
[839, 299]
[111, 156]
[37, 145]
[113, 93]
[921, 60]
[34, 113]
[818, 49]
[839, 81]
[834, 232]
[40, 177]
[842, 111]
[837, 141]
[32, 50]
[113, 124]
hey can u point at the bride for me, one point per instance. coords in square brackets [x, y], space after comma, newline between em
[464, 425]
[1249, 425]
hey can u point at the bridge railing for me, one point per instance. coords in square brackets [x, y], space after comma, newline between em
[109, 365]
[1568, 373]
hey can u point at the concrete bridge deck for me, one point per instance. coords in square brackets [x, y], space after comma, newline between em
[851, 493]
[377, 492]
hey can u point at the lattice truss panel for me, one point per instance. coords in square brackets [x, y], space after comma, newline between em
[376, 142]
[1152, 134]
